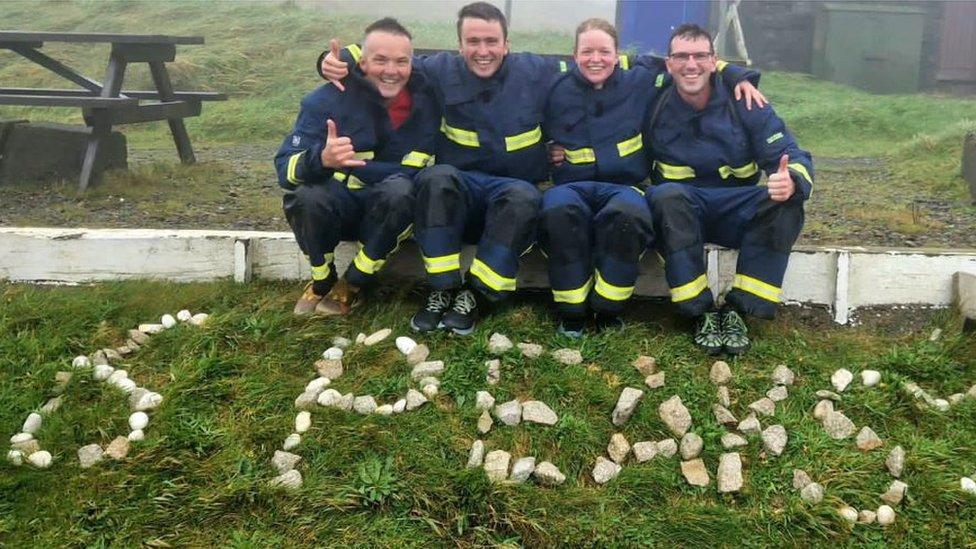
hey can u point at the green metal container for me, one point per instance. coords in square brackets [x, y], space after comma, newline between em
[877, 47]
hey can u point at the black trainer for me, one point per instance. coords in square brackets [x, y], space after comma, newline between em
[429, 318]
[463, 314]
[708, 333]
[606, 321]
[735, 333]
[571, 326]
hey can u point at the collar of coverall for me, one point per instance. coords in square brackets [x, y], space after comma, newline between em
[464, 86]
[357, 77]
[680, 110]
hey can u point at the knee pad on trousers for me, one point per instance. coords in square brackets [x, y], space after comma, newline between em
[438, 195]
[394, 194]
[561, 226]
[675, 221]
[777, 225]
[626, 232]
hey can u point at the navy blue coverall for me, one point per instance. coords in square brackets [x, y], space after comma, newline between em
[374, 203]
[706, 168]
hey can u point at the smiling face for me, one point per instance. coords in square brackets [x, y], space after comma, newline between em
[483, 45]
[691, 64]
[596, 56]
[386, 62]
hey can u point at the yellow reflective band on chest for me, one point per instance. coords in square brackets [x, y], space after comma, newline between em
[757, 287]
[461, 137]
[802, 170]
[573, 297]
[690, 290]
[624, 62]
[416, 159]
[742, 172]
[292, 167]
[490, 278]
[523, 140]
[442, 264]
[670, 171]
[630, 146]
[356, 51]
[585, 155]
[611, 292]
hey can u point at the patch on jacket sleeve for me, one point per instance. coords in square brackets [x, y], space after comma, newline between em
[296, 140]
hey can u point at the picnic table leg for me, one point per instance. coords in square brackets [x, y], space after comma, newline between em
[101, 126]
[176, 126]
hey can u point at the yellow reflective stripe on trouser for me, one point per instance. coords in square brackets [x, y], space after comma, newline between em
[611, 292]
[491, 279]
[802, 170]
[690, 290]
[352, 182]
[670, 171]
[573, 297]
[322, 271]
[757, 287]
[630, 146]
[415, 159]
[467, 138]
[365, 264]
[442, 264]
[356, 52]
[292, 166]
[585, 155]
[523, 140]
[741, 172]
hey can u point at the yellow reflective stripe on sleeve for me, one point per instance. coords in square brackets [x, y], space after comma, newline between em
[775, 137]
[757, 287]
[523, 140]
[490, 278]
[720, 64]
[356, 51]
[365, 264]
[563, 67]
[670, 171]
[573, 297]
[292, 167]
[802, 170]
[611, 292]
[442, 264]
[630, 146]
[461, 137]
[741, 172]
[690, 290]
[364, 155]
[624, 62]
[415, 159]
[585, 155]
[659, 81]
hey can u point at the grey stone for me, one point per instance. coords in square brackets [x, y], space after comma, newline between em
[722, 395]
[81, 362]
[618, 448]
[485, 422]
[27, 447]
[644, 451]
[399, 406]
[384, 410]
[522, 469]
[496, 465]
[691, 446]
[341, 342]
[867, 516]
[956, 398]
[21, 437]
[695, 472]
[61, 381]
[494, 371]
[143, 400]
[306, 401]
[535, 411]
[429, 368]
[99, 358]
[569, 357]
[329, 397]
[838, 426]
[750, 425]
[886, 515]
[724, 416]
[778, 393]
[376, 337]
[941, 404]
[968, 485]
[848, 513]
[774, 439]
[531, 350]
[415, 399]
[118, 448]
[674, 414]
[870, 378]
[136, 436]
[823, 408]
[667, 447]
[15, 457]
[291, 442]
[318, 385]
[841, 379]
[509, 413]
[896, 492]
[548, 474]
[605, 470]
[346, 402]
[365, 404]
[655, 381]
[764, 407]
[812, 493]
[477, 455]
[333, 353]
[418, 354]
[720, 374]
[102, 372]
[868, 440]
[483, 400]
[801, 479]
[895, 462]
[729, 473]
[499, 344]
[646, 365]
[284, 461]
[33, 423]
[90, 455]
[112, 355]
[429, 390]
[150, 329]
[829, 395]
[141, 338]
[626, 404]
[331, 369]
[733, 440]
[783, 375]
[291, 480]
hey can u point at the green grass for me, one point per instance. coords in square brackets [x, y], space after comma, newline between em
[200, 477]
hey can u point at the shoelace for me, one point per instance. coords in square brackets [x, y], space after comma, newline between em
[709, 323]
[464, 303]
[734, 322]
[438, 301]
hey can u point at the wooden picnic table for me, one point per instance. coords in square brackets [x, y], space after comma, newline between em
[104, 103]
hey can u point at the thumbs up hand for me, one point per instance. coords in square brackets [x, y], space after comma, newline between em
[333, 67]
[338, 152]
[780, 184]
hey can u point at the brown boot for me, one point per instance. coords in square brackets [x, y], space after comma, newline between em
[340, 300]
[307, 303]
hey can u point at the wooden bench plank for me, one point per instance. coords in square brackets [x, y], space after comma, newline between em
[154, 111]
[60, 101]
[22, 37]
[137, 94]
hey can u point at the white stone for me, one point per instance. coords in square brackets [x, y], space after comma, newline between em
[102, 372]
[618, 448]
[429, 390]
[41, 460]
[365, 404]
[418, 354]
[870, 378]
[496, 465]
[291, 442]
[81, 362]
[896, 492]
[509, 413]
[646, 365]
[284, 461]
[429, 380]
[377, 336]
[956, 398]
[895, 462]
[126, 385]
[384, 410]
[774, 439]
[118, 448]
[26, 448]
[801, 479]
[723, 397]
[340, 342]
[184, 315]
[724, 416]
[151, 328]
[483, 400]
[941, 405]
[626, 405]
[848, 513]
[866, 516]
[168, 321]
[477, 456]
[404, 344]
[199, 319]
[838, 426]
[136, 436]
[720, 374]
[829, 395]
[317, 385]
[424, 369]
[968, 485]
[522, 469]
[331, 369]
[360, 338]
[139, 338]
[51, 406]
[415, 399]
[667, 447]
[733, 440]
[644, 451]
[303, 421]
[841, 379]
[783, 375]
[138, 420]
[655, 381]
[333, 353]
[823, 408]
[569, 357]
[21, 437]
[548, 474]
[605, 470]
[778, 393]
[868, 440]
[499, 344]
[15, 458]
[764, 407]
[535, 411]
[729, 473]
[691, 445]
[32, 423]
[329, 397]
[812, 493]
[399, 406]
[291, 480]
[886, 515]
[750, 425]
[117, 376]
[695, 472]
[531, 350]
[674, 414]
[307, 400]
[494, 371]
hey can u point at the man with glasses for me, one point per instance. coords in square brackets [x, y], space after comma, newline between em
[708, 152]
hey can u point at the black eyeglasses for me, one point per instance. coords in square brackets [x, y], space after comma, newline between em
[683, 57]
